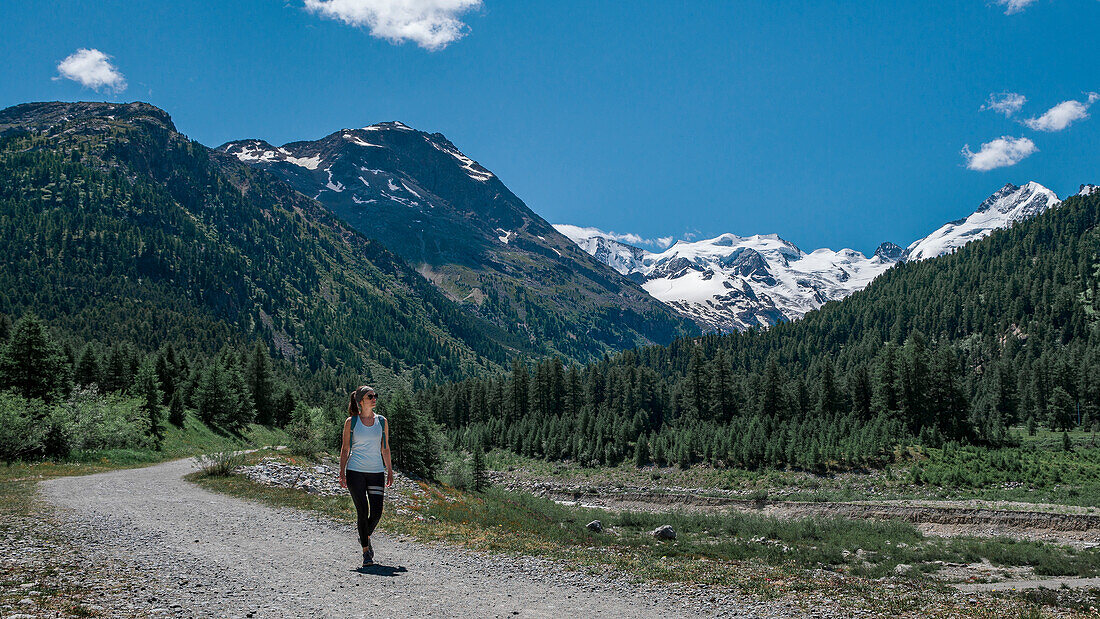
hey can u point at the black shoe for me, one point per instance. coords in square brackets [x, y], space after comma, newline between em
[370, 551]
[368, 559]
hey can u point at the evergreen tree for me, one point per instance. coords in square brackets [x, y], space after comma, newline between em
[176, 415]
[1061, 411]
[641, 451]
[148, 391]
[261, 384]
[284, 408]
[31, 364]
[215, 403]
[478, 468]
[415, 441]
[829, 402]
[116, 371]
[87, 367]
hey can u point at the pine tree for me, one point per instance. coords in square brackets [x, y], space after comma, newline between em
[116, 371]
[284, 408]
[641, 451]
[214, 402]
[1061, 410]
[31, 364]
[176, 415]
[261, 384]
[478, 468]
[148, 391]
[87, 367]
[415, 440]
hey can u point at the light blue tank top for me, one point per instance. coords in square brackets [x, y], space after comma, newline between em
[366, 446]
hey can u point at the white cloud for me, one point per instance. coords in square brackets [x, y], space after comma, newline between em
[581, 232]
[431, 24]
[92, 69]
[1062, 115]
[1007, 103]
[1003, 152]
[1015, 6]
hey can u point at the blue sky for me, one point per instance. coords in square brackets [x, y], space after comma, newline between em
[833, 124]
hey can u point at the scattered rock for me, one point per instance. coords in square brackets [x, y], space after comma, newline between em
[903, 568]
[664, 532]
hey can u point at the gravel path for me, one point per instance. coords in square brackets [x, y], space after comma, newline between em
[214, 555]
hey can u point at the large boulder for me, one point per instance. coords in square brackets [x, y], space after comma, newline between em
[664, 532]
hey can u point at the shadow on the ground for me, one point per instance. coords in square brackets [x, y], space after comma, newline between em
[382, 570]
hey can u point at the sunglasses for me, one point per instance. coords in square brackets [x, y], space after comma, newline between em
[371, 396]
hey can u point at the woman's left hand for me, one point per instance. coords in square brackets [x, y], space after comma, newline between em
[389, 478]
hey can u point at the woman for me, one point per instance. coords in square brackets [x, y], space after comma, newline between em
[365, 463]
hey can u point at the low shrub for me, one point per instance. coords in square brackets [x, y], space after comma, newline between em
[219, 464]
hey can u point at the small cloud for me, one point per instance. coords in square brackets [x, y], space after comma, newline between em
[1062, 115]
[1015, 6]
[431, 24]
[1000, 153]
[577, 233]
[91, 68]
[1007, 103]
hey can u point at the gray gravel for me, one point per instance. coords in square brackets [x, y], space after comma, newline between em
[214, 555]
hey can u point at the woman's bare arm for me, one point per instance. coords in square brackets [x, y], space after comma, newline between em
[386, 453]
[345, 452]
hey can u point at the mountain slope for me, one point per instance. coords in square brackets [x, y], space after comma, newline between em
[735, 283]
[462, 229]
[115, 227]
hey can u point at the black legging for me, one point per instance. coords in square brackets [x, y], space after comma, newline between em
[367, 490]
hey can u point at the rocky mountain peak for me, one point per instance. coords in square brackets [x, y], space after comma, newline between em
[889, 252]
[52, 114]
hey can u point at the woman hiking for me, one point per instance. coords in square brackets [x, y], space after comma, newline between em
[365, 468]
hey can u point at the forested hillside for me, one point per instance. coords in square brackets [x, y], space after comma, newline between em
[956, 348]
[117, 230]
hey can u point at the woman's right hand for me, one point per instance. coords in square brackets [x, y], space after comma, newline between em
[343, 480]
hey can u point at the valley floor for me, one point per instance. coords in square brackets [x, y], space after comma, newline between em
[144, 542]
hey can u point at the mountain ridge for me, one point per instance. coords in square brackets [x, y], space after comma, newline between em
[732, 282]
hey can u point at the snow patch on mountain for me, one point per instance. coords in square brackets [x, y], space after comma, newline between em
[1000, 210]
[733, 283]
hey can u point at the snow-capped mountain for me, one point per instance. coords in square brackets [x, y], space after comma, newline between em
[1000, 210]
[734, 283]
[457, 224]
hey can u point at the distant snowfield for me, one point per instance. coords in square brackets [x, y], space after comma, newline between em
[734, 283]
